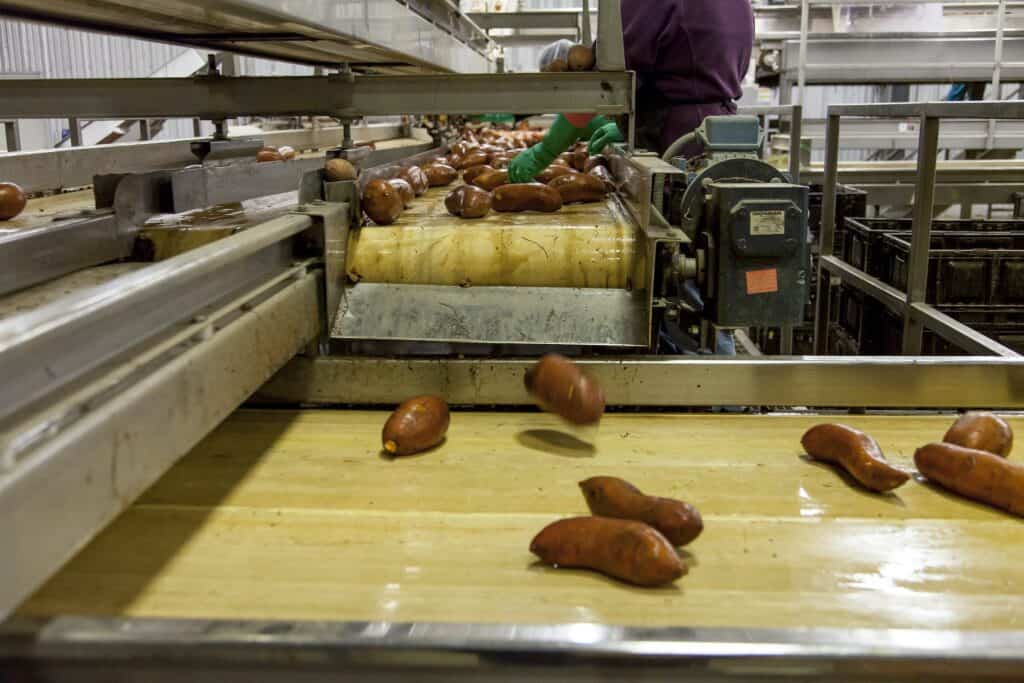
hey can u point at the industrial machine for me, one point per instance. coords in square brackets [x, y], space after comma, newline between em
[198, 359]
[748, 225]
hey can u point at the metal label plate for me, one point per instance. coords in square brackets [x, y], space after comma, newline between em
[767, 222]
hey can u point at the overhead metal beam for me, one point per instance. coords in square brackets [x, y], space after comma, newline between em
[1008, 109]
[220, 97]
[528, 19]
[896, 134]
[410, 36]
[881, 59]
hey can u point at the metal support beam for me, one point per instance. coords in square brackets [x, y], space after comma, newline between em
[900, 58]
[796, 127]
[805, 11]
[46, 349]
[527, 19]
[889, 296]
[199, 187]
[97, 448]
[215, 98]
[630, 381]
[924, 202]
[586, 33]
[12, 136]
[39, 254]
[826, 235]
[75, 131]
[611, 55]
[55, 169]
[956, 332]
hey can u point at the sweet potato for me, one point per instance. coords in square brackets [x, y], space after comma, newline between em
[468, 201]
[405, 191]
[579, 188]
[678, 522]
[491, 181]
[552, 172]
[417, 425]
[415, 176]
[982, 432]
[623, 549]
[974, 474]
[340, 169]
[382, 202]
[473, 171]
[439, 175]
[526, 197]
[559, 386]
[856, 452]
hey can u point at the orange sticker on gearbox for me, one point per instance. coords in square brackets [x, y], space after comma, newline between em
[762, 281]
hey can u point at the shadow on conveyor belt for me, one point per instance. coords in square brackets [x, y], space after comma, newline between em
[186, 495]
[556, 443]
[890, 497]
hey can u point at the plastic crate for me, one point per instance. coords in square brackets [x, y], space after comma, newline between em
[1008, 333]
[840, 343]
[876, 331]
[861, 317]
[850, 203]
[864, 246]
[964, 267]
[768, 339]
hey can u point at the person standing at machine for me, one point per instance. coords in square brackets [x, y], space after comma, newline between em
[690, 57]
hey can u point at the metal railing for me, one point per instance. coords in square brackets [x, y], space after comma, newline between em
[911, 306]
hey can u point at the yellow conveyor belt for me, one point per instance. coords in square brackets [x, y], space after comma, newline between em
[295, 515]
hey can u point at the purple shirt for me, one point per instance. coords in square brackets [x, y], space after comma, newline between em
[690, 57]
[689, 51]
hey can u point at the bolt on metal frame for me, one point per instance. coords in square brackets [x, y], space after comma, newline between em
[912, 306]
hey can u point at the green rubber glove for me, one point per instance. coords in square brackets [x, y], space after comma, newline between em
[595, 125]
[605, 135]
[528, 164]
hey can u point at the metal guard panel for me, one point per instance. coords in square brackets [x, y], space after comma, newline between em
[494, 315]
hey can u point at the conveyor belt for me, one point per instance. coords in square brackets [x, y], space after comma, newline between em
[295, 515]
[582, 245]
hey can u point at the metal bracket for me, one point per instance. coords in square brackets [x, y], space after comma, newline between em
[329, 236]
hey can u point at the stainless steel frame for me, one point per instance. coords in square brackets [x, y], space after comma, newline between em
[631, 381]
[414, 36]
[55, 169]
[124, 204]
[221, 97]
[91, 649]
[917, 315]
[883, 134]
[105, 388]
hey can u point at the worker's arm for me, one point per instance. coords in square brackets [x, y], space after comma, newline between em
[558, 139]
